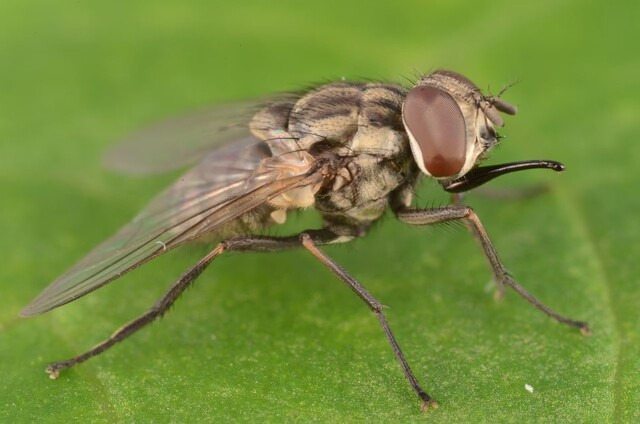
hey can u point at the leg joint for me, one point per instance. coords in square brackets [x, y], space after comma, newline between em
[470, 213]
[305, 239]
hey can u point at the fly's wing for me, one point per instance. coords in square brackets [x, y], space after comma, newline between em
[184, 140]
[222, 187]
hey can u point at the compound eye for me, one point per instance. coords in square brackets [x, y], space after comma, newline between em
[436, 127]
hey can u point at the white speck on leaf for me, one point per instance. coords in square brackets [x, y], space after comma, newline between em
[528, 388]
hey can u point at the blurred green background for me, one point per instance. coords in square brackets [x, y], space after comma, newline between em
[276, 337]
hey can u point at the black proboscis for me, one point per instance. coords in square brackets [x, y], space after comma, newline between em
[483, 174]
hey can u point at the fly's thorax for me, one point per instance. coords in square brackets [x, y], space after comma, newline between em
[358, 117]
[338, 112]
[360, 191]
[450, 124]
[328, 112]
[358, 126]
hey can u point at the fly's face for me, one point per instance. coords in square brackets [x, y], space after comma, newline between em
[451, 124]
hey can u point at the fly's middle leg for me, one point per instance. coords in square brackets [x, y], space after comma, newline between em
[310, 240]
[376, 307]
[437, 215]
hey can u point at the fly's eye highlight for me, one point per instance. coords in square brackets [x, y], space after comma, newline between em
[437, 130]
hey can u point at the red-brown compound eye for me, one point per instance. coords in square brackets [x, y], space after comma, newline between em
[435, 121]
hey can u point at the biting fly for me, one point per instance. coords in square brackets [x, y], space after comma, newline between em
[351, 150]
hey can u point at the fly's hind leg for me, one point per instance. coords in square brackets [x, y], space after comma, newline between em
[437, 215]
[249, 243]
[156, 311]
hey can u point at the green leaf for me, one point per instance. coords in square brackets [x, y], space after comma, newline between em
[276, 337]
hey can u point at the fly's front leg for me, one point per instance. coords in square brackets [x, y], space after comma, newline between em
[240, 244]
[309, 243]
[502, 194]
[457, 200]
[437, 215]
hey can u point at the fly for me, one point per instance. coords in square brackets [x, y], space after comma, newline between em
[351, 150]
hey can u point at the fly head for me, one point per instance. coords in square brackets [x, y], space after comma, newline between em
[451, 128]
[451, 124]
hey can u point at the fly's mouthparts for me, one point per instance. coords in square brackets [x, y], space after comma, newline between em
[483, 174]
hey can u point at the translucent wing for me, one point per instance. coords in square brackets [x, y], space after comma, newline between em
[181, 141]
[224, 186]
